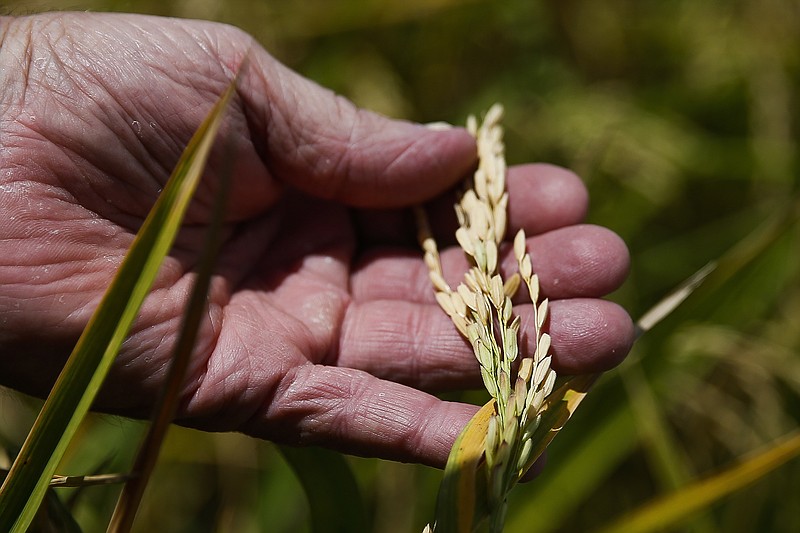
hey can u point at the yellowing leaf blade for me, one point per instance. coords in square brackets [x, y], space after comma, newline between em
[76, 388]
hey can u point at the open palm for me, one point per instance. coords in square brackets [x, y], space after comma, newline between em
[321, 326]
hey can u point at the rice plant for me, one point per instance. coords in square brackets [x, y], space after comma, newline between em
[681, 117]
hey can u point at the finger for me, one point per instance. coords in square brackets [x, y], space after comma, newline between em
[416, 344]
[258, 380]
[541, 198]
[576, 261]
[324, 145]
[589, 335]
[357, 413]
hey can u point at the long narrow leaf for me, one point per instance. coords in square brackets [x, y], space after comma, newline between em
[676, 507]
[461, 504]
[131, 496]
[332, 491]
[675, 298]
[664, 454]
[88, 365]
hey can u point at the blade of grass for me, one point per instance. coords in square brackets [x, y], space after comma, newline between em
[88, 365]
[675, 298]
[671, 471]
[131, 496]
[705, 285]
[665, 456]
[461, 504]
[334, 497]
[56, 516]
[678, 506]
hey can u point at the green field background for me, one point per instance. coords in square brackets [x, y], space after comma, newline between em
[682, 118]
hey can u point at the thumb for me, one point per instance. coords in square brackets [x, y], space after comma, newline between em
[323, 144]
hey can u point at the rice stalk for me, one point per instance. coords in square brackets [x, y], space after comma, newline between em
[481, 309]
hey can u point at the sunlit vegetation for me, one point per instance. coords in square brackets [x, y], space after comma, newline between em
[682, 117]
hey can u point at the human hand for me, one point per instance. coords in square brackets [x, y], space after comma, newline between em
[322, 327]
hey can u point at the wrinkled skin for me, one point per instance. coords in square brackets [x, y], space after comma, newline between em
[322, 327]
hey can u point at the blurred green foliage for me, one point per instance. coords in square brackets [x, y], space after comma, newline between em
[682, 117]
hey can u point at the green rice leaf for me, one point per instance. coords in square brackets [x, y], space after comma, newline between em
[675, 298]
[461, 504]
[131, 496]
[666, 458]
[88, 365]
[705, 285]
[334, 497]
[676, 507]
